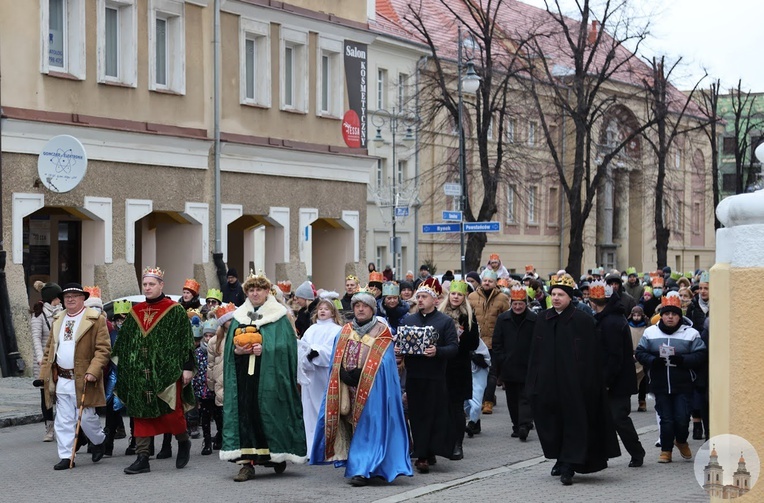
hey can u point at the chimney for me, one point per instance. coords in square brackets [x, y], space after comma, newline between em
[593, 33]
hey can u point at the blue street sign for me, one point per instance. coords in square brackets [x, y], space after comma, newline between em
[454, 216]
[482, 226]
[402, 211]
[440, 228]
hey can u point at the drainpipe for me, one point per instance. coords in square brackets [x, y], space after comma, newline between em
[217, 256]
[420, 64]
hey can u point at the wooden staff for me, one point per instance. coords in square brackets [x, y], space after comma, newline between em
[79, 423]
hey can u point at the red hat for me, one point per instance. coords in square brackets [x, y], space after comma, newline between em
[433, 283]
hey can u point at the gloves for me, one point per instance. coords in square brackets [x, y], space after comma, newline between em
[313, 353]
[677, 360]
[658, 362]
[351, 377]
[479, 360]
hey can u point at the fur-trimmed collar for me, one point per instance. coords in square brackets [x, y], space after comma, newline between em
[271, 310]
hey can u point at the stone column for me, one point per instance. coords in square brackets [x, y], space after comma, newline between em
[737, 316]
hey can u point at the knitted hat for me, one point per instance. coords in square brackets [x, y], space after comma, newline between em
[614, 276]
[474, 275]
[637, 310]
[232, 272]
[305, 291]
[48, 291]
[196, 326]
[365, 297]
[94, 302]
[406, 285]
[210, 327]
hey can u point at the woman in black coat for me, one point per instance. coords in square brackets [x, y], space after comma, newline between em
[459, 368]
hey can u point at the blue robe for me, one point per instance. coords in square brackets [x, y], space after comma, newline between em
[380, 445]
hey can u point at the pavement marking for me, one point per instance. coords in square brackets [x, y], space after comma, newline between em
[520, 465]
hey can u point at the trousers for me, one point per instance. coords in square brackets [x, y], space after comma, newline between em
[65, 424]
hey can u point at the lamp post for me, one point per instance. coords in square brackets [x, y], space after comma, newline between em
[469, 84]
[394, 120]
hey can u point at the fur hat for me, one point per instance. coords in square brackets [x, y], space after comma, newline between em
[367, 298]
[256, 281]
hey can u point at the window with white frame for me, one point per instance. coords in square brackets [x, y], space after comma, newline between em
[331, 90]
[532, 129]
[511, 204]
[294, 70]
[381, 254]
[63, 37]
[167, 46]
[402, 93]
[381, 88]
[532, 202]
[400, 172]
[254, 63]
[380, 172]
[511, 128]
[117, 44]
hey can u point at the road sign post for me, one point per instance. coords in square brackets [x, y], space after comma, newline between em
[440, 228]
[482, 226]
[452, 216]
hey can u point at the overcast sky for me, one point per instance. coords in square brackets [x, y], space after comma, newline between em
[726, 37]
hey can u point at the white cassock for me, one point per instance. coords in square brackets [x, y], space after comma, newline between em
[313, 375]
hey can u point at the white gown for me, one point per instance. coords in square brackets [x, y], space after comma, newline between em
[313, 375]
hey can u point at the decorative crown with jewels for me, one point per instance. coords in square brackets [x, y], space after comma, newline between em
[428, 290]
[565, 280]
[154, 272]
[258, 280]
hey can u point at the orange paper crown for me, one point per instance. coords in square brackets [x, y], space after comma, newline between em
[529, 268]
[94, 291]
[657, 281]
[493, 256]
[503, 282]
[224, 309]
[598, 290]
[193, 285]
[518, 293]
[285, 286]
[376, 277]
[154, 272]
[672, 299]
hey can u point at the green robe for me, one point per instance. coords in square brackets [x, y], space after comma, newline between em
[150, 366]
[276, 414]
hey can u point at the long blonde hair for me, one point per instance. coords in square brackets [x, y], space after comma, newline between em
[466, 309]
[332, 308]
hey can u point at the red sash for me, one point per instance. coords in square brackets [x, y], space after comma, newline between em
[368, 375]
[147, 315]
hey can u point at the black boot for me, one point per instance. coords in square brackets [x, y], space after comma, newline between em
[217, 441]
[697, 430]
[184, 453]
[140, 465]
[130, 451]
[166, 450]
[458, 451]
[471, 429]
[207, 447]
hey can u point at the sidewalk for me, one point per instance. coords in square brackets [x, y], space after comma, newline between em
[19, 402]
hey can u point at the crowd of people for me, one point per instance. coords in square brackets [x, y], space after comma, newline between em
[382, 380]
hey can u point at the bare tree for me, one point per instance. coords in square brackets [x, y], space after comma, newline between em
[709, 106]
[744, 123]
[574, 66]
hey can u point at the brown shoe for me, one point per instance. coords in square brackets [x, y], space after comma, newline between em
[665, 457]
[247, 472]
[684, 449]
[642, 406]
[422, 466]
[487, 408]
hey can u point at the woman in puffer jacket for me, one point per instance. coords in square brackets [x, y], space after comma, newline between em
[40, 322]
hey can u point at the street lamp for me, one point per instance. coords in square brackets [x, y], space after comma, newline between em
[407, 122]
[469, 84]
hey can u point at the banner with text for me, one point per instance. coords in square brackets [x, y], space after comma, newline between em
[354, 121]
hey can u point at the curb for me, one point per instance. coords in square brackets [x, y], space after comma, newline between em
[21, 420]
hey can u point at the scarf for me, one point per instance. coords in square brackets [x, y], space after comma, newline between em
[669, 330]
[364, 329]
[703, 305]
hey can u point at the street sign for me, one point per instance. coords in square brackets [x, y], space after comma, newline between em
[482, 226]
[440, 228]
[402, 211]
[452, 189]
[454, 216]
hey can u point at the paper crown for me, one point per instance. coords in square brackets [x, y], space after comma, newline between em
[193, 312]
[391, 288]
[193, 285]
[688, 275]
[599, 290]
[284, 286]
[365, 289]
[657, 281]
[154, 272]
[94, 291]
[493, 256]
[376, 277]
[502, 282]
[518, 292]
[122, 307]
[351, 277]
[529, 268]
[675, 275]
[225, 312]
[631, 270]
[705, 277]
[564, 280]
[427, 289]
[214, 293]
[459, 286]
[671, 299]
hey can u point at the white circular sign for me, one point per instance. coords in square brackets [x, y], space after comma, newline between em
[62, 163]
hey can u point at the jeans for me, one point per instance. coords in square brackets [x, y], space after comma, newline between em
[674, 412]
[473, 407]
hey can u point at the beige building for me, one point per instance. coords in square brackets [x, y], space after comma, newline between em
[133, 82]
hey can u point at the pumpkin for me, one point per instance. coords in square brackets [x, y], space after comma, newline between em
[247, 336]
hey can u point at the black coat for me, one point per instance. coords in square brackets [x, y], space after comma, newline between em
[303, 320]
[233, 293]
[619, 370]
[696, 315]
[459, 368]
[512, 345]
[566, 391]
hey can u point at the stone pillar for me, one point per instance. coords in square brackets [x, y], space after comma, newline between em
[736, 345]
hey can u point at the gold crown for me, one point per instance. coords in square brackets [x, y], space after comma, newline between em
[154, 272]
[428, 290]
[518, 292]
[258, 280]
[193, 312]
[352, 277]
[365, 289]
[94, 291]
[564, 280]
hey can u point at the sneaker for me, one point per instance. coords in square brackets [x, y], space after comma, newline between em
[684, 450]
[246, 473]
[487, 408]
[50, 432]
[665, 457]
